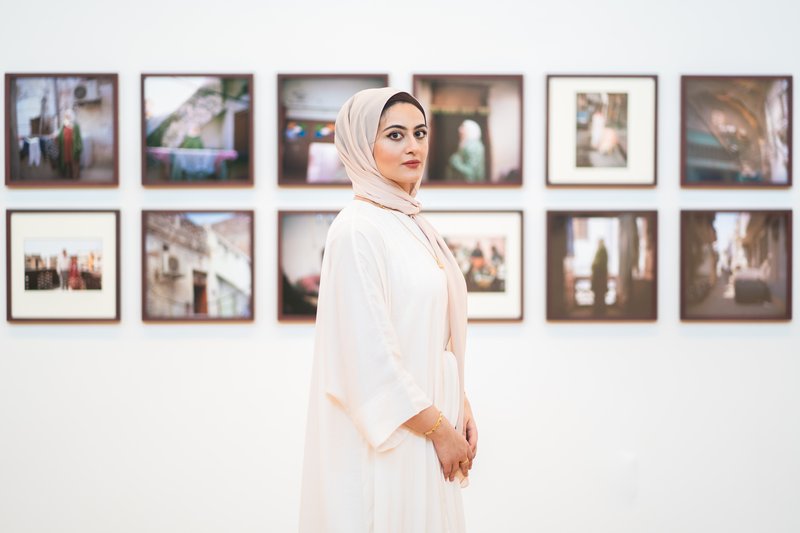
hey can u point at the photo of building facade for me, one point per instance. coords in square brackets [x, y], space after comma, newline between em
[197, 265]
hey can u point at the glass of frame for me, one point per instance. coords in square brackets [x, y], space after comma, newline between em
[488, 247]
[197, 130]
[307, 109]
[63, 266]
[601, 265]
[61, 130]
[301, 243]
[736, 265]
[197, 266]
[476, 129]
[601, 130]
[736, 131]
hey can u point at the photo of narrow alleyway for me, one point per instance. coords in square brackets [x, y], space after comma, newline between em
[735, 265]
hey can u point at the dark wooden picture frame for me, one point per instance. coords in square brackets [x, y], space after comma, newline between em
[95, 117]
[590, 128]
[465, 141]
[298, 289]
[221, 242]
[748, 276]
[211, 113]
[307, 133]
[495, 252]
[85, 283]
[741, 131]
[571, 296]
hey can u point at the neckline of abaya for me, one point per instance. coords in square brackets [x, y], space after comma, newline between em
[427, 248]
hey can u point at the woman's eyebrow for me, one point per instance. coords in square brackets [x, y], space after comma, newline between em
[399, 127]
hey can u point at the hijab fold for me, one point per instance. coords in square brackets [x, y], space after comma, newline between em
[355, 133]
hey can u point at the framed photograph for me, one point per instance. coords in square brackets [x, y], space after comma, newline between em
[475, 129]
[488, 246]
[197, 130]
[736, 265]
[601, 130]
[602, 265]
[307, 109]
[301, 243]
[61, 130]
[197, 266]
[62, 266]
[736, 131]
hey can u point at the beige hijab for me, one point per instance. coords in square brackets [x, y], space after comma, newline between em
[356, 129]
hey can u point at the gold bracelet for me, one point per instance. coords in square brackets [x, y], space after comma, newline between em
[436, 425]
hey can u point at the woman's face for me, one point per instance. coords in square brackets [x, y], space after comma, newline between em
[401, 145]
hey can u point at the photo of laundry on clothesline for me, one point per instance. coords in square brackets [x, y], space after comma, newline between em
[62, 130]
[197, 129]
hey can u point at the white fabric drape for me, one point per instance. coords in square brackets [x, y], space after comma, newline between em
[379, 359]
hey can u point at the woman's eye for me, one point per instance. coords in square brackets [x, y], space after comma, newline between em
[395, 135]
[421, 134]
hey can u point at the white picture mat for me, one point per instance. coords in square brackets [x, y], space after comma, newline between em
[562, 109]
[58, 304]
[487, 305]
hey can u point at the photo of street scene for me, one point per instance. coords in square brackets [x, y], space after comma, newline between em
[301, 245]
[197, 265]
[737, 130]
[197, 129]
[735, 265]
[602, 130]
[482, 260]
[63, 264]
[601, 266]
[62, 130]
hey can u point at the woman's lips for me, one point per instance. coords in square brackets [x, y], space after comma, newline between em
[412, 164]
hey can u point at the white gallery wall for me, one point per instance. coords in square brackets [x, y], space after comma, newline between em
[604, 428]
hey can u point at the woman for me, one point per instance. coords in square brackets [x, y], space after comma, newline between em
[598, 126]
[390, 437]
[70, 146]
[469, 162]
[75, 279]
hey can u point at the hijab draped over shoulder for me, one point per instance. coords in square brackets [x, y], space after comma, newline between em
[355, 133]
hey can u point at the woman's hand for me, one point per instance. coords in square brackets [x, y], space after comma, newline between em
[453, 450]
[471, 428]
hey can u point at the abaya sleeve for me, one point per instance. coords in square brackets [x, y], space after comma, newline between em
[364, 369]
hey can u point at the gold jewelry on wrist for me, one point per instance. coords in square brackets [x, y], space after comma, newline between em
[436, 425]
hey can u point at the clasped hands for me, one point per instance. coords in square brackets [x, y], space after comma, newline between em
[454, 450]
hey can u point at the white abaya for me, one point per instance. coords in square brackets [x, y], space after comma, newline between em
[379, 359]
